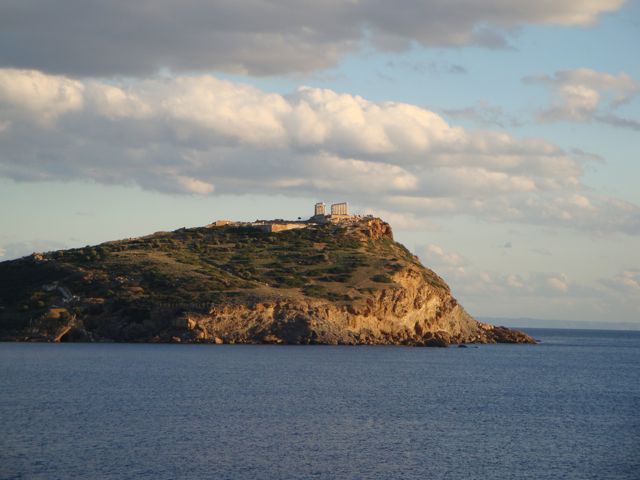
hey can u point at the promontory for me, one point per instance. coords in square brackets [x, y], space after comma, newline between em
[341, 280]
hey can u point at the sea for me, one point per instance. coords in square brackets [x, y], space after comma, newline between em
[567, 408]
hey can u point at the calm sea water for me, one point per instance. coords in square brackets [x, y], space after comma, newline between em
[568, 408]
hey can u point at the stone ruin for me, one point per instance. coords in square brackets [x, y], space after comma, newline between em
[339, 211]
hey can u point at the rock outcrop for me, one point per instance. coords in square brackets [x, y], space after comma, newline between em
[410, 313]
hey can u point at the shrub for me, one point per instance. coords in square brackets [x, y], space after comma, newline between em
[315, 291]
[381, 278]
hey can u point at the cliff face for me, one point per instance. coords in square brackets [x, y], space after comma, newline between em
[331, 284]
[411, 313]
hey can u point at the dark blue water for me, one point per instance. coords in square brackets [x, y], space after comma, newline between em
[567, 408]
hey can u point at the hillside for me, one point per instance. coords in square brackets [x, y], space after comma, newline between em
[337, 283]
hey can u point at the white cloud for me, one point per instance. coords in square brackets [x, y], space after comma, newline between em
[625, 283]
[546, 294]
[13, 250]
[469, 180]
[406, 221]
[329, 172]
[201, 134]
[515, 281]
[496, 292]
[193, 185]
[558, 283]
[542, 295]
[583, 95]
[41, 97]
[115, 102]
[436, 255]
[236, 112]
[601, 215]
[472, 283]
[256, 37]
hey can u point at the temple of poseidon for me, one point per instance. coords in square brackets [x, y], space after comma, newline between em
[339, 213]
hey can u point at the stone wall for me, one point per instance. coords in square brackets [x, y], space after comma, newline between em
[279, 227]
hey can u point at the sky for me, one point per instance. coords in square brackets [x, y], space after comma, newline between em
[499, 139]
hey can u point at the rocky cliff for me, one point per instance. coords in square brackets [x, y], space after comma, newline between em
[346, 283]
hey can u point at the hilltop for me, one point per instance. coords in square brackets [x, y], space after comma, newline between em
[343, 282]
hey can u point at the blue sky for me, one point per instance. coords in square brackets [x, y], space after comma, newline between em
[500, 141]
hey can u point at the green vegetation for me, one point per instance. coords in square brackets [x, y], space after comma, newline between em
[381, 278]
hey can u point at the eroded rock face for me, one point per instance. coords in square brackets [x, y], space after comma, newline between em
[413, 314]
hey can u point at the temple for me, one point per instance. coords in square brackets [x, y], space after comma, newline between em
[339, 211]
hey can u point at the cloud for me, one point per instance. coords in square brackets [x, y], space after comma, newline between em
[617, 121]
[587, 156]
[436, 255]
[252, 36]
[483, 113]
[460, 270]
[558, 283]
[625, 283]
[41, 97]
[204, 135]
[583, 95]
[430, 68]
[543, 294]
[472, 282]
[193, 185]
[595, 214]
[541, 285]
[406, 221]
[13, 250]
